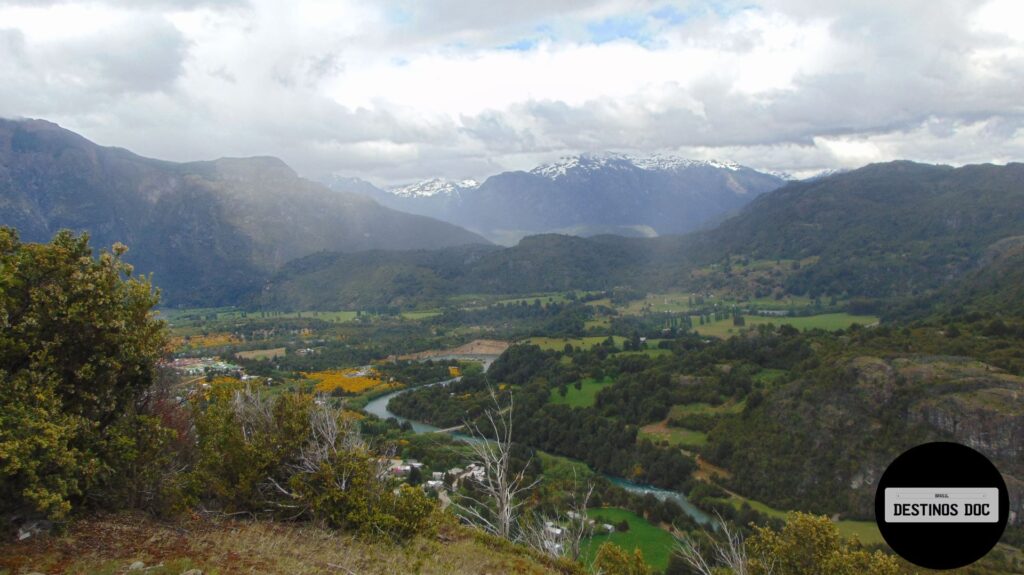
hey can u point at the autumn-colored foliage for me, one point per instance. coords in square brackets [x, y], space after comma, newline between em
[196, 342]
[348, 380]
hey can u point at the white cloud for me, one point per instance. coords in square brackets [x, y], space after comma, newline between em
[400, 89]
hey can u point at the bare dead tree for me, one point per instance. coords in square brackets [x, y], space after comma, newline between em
[498, 508]
[331, 437]
[562, 534]
[728, 552]
[253, 412]
[578, 525]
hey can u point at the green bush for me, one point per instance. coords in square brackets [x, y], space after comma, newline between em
[145, 459]
[78, 347]
[295, 459]
[614, 560]
[245, 443]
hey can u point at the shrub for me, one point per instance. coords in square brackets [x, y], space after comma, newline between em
[614, 560]
[294, 459]
[810, 545]
[245, 445]
[78, 346]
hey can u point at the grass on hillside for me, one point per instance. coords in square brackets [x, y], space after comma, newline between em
[108, 545]
[583, 397]
[866, 531]
[705, 408]
[530, 299]
[770, 376]
[829, 321]
[558, 343]
[651, 352]
[558, 468]
[655, 543]
[675, 436]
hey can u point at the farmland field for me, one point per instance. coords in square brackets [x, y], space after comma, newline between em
[679, 302]
[866, 531]
[529, 300]
[829, 321]
[704, 408]
[199, 341]
[674, 435]
[584, 397]
[420, 315]
[649, 352]
[558, 343]
[655, 543]
[262, 353]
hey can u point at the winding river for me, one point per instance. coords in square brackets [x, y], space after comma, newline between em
[379, 407]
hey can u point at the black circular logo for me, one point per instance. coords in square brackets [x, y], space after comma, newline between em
[941, 505]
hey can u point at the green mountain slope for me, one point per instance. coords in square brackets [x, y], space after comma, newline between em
[209, 231]
[888, 231]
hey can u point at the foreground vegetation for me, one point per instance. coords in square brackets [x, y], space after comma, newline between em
[109, 544]
[267, 442]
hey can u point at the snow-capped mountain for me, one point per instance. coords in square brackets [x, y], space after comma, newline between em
[434, 187]
[589, 194]
[825, 173]
[588, 162]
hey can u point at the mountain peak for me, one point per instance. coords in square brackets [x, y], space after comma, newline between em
[434, 187]
[610, 160]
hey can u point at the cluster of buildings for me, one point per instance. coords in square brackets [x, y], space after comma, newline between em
[438, 479]
[196, 366]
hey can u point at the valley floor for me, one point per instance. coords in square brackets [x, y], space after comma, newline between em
[108, 545]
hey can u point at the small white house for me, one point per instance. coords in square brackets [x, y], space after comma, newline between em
[553, 529]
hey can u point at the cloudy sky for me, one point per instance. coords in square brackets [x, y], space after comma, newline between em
[397, 90]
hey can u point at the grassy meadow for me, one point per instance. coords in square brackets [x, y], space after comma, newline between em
[829, 321]
[655, 543]
[586, 396]
[675, 436]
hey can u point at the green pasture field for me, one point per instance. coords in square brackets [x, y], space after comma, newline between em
[828, 321]
[655, 543]
[676, 436]
[558, 343]
[705, 408]
[584, 397]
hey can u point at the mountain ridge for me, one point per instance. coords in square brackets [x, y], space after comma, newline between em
[209, 231]
[586, 194]
[884, 232]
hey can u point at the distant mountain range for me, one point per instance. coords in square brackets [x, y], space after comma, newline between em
[885, 232]
[210, 232]
[250, 231]
[583, 195]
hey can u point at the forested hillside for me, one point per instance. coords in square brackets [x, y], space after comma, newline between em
[885, 234]
[210, 232]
